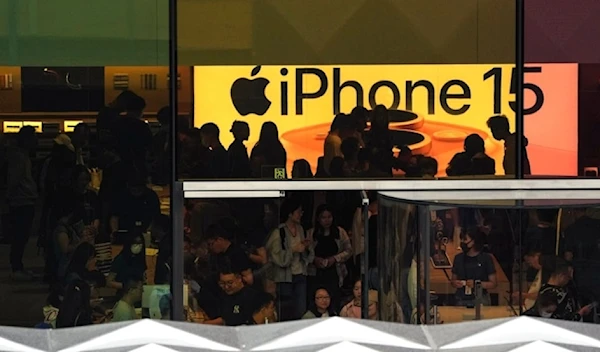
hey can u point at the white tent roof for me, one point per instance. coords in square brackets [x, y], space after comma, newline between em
[330, 335]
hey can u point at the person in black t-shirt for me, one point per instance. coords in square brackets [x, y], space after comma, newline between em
[237, 301]
[542, 238]
[226, 254]
[473, 161]
[237, 152]
[568, 306]
[545, 306]
[134, 210]
[217, 157]
[263, 311]
[473, 265]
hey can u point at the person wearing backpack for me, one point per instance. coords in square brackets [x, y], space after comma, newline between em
[290, 252]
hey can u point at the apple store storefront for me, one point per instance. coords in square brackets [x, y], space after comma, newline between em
[392, 161]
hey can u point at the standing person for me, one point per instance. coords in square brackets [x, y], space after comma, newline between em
[217, 157]
[290, 253]
[332, 250]
[333, 142]
[238, 153]
[268, 153]
[473, 265]
[134, 135]
[501, 131]
[21, 198]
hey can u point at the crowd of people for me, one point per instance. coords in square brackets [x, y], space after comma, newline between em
[247, 261]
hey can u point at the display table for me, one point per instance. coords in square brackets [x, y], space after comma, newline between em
[459, 314]
[440, 283]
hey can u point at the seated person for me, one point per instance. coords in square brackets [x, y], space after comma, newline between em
[544, 307]
[264, 310]
[226, 254]
[83, 266]
[202, 300]
[473, 265]
[68, 234]
[236, 302]
[353, 309]
[543, 268]
[473, 161]
[568, 307]
[124, 310]
[321, 308]
[134, 210]
[129, 264]
[75, 309]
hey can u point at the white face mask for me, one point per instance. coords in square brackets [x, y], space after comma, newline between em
[136, 248]
[545, 314]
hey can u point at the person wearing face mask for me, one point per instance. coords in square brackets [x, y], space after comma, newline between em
[129, 264]
[568, 307]
[470, 266]
[545, 307]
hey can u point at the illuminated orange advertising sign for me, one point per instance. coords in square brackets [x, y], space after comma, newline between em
[448, 101]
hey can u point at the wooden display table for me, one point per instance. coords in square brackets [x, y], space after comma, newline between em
[460, 314]
[440, 283]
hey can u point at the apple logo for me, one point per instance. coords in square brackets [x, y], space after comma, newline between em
[248, 96]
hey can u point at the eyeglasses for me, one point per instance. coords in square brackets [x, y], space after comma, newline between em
[227, 283]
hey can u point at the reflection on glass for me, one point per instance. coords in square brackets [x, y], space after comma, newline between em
[397, 257]
[320, 92]
[505, 261]
[87, 154]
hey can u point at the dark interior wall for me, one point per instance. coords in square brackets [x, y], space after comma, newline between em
[562, 31]
[568, 31]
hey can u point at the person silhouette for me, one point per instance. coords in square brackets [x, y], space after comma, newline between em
[473, 161]
[501, 131]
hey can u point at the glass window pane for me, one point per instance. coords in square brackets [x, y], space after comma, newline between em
[528, 259]
[559, 119]
[439, 70]
[85, 160]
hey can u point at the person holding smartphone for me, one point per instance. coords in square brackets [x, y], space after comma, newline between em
[290, 252]
[473, 265]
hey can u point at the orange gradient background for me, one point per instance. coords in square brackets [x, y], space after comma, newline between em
[552, 131]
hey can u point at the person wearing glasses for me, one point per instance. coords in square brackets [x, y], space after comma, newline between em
[237, 301]
[321, 308]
